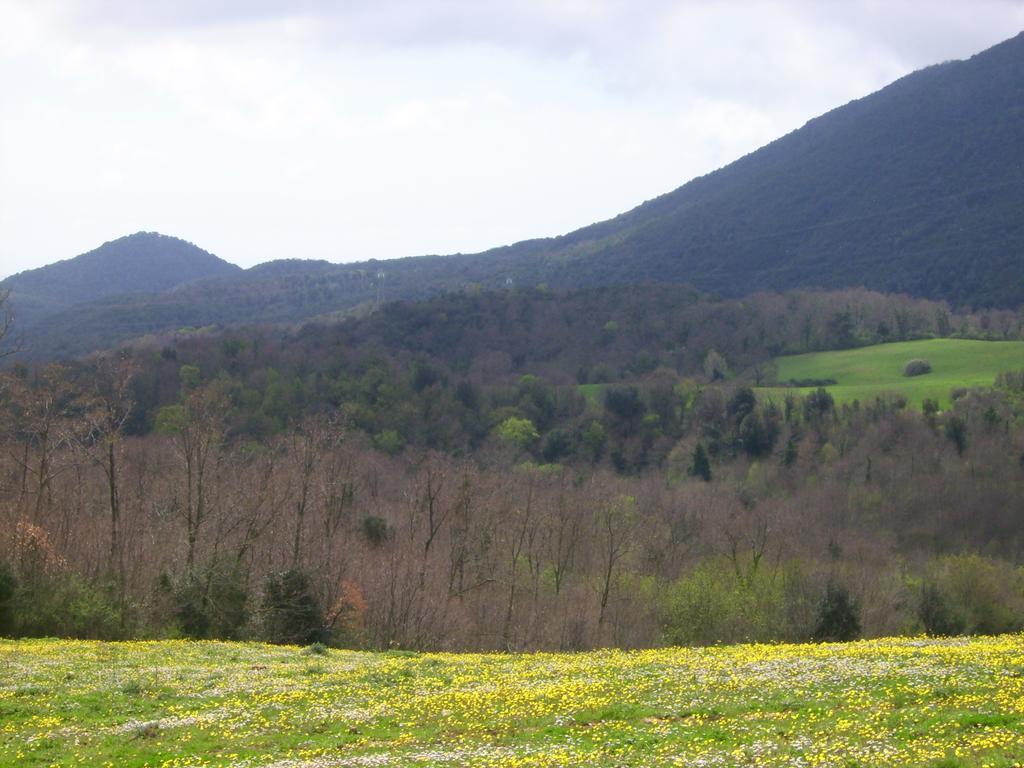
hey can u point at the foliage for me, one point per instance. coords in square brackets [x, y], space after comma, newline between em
[969, 594]
[375, 529]
[714, 605]
[8, 592]
[63, 605]
[518, 432]
[700, 465]
[917, 367]
[212, 601]
[838, 615]
[290, 612]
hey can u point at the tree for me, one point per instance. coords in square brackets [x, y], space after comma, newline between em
[715, 367]
[956, 431]
[838, 616]
[43, 412]
[109, 406]
[519, 432]
[6, 324]
[616, 525]
[309, 443]
[701, 464]
[290, 611]
[196, 426]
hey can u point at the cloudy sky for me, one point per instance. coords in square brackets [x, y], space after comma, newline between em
[263, 129]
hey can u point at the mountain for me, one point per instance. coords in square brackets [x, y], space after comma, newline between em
[144, 262]
[918, 188]
[915, 189]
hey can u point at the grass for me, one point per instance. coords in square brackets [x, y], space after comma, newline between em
[592, 393]
[869, 372]
[957, 702]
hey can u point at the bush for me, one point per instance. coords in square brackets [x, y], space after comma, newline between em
[838, 616]
[291, 612]
[375, 529]
[938, 616]
[970, 594]
[917, 367]
[64, 605]
[212, 602]
[8, 590]
[713, 605]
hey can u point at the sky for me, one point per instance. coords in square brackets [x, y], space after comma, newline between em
[267, 129]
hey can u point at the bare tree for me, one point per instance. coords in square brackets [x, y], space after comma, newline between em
[196, 426]
[616, 523]
[308, 448]
[108, 408]
[41, 411]
[7, 348]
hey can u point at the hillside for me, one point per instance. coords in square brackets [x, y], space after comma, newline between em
[869, 372]
[916, 189]
[146, 262]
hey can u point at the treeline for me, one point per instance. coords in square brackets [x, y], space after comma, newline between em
[445, 374]
[805, 521]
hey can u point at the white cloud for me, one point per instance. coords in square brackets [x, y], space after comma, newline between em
[373, 129]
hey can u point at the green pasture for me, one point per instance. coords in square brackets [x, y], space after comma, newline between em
[869, 372]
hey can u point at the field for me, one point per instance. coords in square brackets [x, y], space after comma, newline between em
[957, 702]
[865, 373]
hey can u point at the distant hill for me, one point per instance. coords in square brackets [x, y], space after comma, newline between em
[144, 262]
[917, 189]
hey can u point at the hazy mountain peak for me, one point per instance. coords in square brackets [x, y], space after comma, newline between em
[144, 262]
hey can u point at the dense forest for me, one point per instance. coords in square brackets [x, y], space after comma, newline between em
[511, 470]
[145, 262]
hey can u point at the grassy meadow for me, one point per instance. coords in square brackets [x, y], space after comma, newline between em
[953, 702]
[865, 373]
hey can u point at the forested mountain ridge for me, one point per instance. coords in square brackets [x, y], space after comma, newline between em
[143, 262]
[915, 189]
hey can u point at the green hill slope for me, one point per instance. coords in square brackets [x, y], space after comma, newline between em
[866, 373]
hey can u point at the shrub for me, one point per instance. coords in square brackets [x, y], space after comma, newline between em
[375, 529]
[917, 367]
[970, 594]
[8, 589]
[65, 605]
[937, 614]
[316, 649]
[212, 602]
[713, 605]
[838, 616]
[291, 612]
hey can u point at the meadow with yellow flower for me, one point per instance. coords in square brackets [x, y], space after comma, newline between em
[172, 704]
